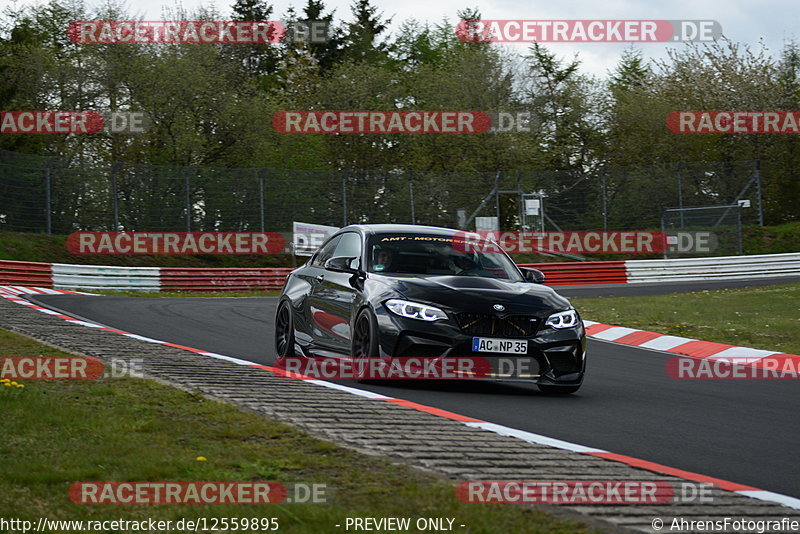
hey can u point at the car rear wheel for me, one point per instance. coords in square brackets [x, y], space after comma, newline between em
[365, 342]
[284, 332]
[557, 390]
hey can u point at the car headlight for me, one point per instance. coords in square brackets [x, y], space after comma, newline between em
[415, 310]
[565, 319]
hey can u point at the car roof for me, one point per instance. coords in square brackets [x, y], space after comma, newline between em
[401, 229]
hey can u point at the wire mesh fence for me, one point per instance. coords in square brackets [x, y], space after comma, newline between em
[46, 194]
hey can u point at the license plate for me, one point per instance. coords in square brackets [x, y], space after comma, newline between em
[504, 346]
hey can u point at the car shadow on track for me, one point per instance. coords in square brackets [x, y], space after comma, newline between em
[473, 387]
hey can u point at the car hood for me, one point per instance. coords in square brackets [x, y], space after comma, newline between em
[475, 294]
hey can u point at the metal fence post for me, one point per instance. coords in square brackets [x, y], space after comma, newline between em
[520, 199]
[261, 173]
[604, 192]
[680, 192]
[739, 229]
[758, 193]
[48, 200]
[114, 203]
[186, 171]
[344, 197]
[411, 197]
[497, 197]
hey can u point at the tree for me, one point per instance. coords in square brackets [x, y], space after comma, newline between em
[331, 51]
[259, 60]
[361, 40]
[631, 72]
[568, 107]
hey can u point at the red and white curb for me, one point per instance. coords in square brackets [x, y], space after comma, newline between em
[612, 333]
[25, 290]
[693, 348]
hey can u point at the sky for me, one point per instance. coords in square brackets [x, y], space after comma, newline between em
[770, 22]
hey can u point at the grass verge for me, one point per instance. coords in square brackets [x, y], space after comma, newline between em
[60, 432]
[761, 317]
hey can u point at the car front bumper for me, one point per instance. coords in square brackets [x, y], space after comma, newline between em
[554, 357]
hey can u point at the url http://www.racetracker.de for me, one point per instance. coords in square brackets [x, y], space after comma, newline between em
[198, 524]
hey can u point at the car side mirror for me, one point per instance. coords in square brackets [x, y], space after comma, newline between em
[342, 264]
[533, 275]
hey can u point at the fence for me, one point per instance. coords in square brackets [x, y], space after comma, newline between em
[93, 277]
[51, 195]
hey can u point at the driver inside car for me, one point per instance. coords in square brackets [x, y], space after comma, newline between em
[385, 260]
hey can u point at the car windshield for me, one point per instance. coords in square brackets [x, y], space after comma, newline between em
[435, 255]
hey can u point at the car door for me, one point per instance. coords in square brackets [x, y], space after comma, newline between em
[313, 274]
[332, 297]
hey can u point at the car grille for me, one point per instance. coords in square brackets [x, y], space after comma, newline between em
[484, 324]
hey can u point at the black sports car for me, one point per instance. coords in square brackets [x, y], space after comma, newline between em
[396, 291]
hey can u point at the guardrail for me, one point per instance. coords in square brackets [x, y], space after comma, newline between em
[574, 273]
[211, 279]
[26, 273]
[720, 268]
[75, 277]
[67, 276]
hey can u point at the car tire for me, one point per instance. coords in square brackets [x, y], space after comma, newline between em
[364, 344]
[548, 389]
[284, 332]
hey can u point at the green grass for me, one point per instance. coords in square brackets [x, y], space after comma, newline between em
[56, 433]
[771, 239]
[765, 317]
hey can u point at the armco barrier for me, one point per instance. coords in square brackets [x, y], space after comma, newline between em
[719, 268]
[75, 277]
[590, 272]
[26, 273]
[67, 276]
[201, 279]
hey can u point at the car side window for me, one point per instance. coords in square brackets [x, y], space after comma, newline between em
[326, 252]
[349, 246]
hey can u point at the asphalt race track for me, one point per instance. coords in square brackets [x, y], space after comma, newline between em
[739, 430]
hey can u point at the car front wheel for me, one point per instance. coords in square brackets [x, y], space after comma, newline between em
[365, 342]
[284, 332]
